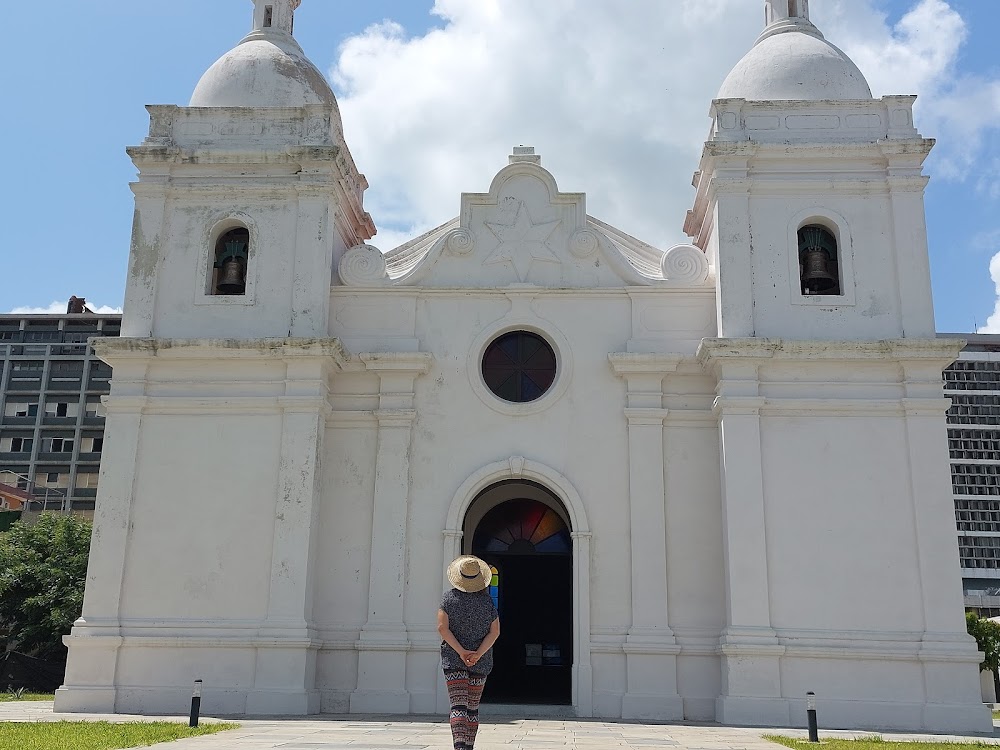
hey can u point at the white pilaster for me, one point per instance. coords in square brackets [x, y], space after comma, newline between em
[144, 257]
[285, 673]
[751, 679]
[89, 684]
[909, 228]
[383, 643]
[313, 258]
[733, 233]
[583, 671]
[650, 648]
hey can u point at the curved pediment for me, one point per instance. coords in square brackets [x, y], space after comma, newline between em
[524, 231]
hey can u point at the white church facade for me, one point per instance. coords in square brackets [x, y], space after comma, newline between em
[710, 478]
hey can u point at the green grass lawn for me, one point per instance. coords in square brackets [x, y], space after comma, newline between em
[79, 735]
[872, 743]
[9, 697]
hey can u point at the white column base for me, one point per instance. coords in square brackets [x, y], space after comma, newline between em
[753, 712]
[276, 702]
[381, 675]
[85, 700]
[651, 672]
[380, 702]
[584, 694]
[652, 707]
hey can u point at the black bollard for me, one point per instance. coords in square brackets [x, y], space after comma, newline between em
[195, 704]
[811, 715]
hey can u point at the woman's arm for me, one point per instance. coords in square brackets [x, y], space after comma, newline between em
[444, 628]
[487, 643]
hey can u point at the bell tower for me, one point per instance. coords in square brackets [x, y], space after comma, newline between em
[828, 386]
[245, 201]
[810, 195]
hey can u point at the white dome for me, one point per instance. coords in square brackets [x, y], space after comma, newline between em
[794, 61]
[266, 69]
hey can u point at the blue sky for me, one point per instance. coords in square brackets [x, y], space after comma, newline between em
[424, 125]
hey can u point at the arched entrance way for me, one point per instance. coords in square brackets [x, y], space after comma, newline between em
[523, 531]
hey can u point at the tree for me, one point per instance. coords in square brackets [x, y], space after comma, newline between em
[43, 569]
[987, 635]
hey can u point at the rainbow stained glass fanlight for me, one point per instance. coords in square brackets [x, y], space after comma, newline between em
[495, 587]
[522, 527]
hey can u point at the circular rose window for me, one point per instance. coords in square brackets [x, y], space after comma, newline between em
[519, 367]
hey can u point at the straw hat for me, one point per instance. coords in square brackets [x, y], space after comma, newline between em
[469, 574]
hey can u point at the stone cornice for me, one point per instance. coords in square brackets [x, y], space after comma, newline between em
[712, 352]
[117, 349]
[418, 363]
[628, 363]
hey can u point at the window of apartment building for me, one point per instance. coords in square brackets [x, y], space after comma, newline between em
[43, 336]
[61, 409]
[16, 445]
[95, 409]
[63, 370]
[87, 480]
[20, 409]
[60, 445]
[969, 375]
[28, 367]
[976, 445]
[52, 479]
[975, 479]
[26, 372]
[92, 445]
[14, 479]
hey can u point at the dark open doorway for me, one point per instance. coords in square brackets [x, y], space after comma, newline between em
[528, 543]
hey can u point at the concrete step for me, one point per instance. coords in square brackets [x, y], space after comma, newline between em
[527, 710]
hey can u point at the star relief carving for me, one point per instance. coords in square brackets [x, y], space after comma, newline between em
[523, 242]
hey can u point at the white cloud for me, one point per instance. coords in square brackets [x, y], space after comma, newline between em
[614, 96]
[993, 322]
[59, 308]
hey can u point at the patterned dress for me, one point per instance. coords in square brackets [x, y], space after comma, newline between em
[469, 618]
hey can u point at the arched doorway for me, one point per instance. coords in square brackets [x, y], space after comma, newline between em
[523, 531]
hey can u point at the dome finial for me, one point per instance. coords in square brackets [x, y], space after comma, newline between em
[787, 15]
[277, 15]
[782, 10]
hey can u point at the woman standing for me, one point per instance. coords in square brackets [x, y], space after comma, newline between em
[469, 626]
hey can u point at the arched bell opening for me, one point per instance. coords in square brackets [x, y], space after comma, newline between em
[523, 531]
[230, 260]
[819, 261]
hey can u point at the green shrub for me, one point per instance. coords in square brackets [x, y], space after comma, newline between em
[43, 569]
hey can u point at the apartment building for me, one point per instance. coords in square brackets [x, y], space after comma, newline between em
[973, 385]
[51, 418]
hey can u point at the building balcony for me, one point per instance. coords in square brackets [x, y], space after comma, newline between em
[57, 458]
[7, 458]
[93, 421]
[70, 385]
[84, 493]
[89, 458]
[14, 421]
[48, 419]
[25, 385]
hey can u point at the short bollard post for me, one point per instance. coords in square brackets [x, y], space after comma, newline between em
[811, 715]
[195, 704]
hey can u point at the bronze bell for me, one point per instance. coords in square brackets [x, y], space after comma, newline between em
[232, 279]
[816, 276]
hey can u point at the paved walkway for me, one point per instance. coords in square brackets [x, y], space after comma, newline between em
[432, 733]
